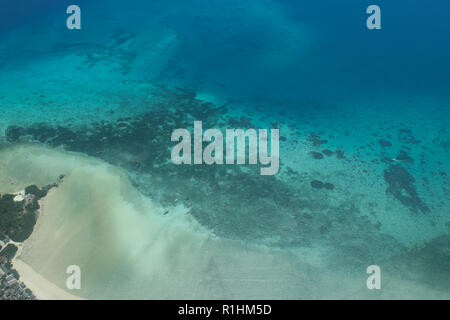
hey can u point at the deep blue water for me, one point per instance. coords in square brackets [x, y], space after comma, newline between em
[251, 54]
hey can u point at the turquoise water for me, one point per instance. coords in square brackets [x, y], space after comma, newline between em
[364, 110]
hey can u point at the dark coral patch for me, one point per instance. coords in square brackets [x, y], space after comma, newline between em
[317, 155]
[314, 138]
[13, 133]
[340, 154]
[316, 184]
[328, 186]
[401, 186]
[403, 156]
[406, 136]
[384, 143]
[327, 152]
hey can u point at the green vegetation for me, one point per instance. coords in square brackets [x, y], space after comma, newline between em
[9, 251]
[14, 220]
[24, 227]
[10, 215]
[38, 193]
[15, 273]
[17, 218]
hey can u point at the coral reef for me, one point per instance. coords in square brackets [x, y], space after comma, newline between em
[401, 186]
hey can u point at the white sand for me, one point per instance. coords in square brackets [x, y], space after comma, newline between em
[41, 287]
[19, 196]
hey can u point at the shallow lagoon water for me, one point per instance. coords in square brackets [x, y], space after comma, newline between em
[128, 249]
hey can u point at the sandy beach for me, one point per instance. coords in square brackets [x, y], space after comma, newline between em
[41, 287]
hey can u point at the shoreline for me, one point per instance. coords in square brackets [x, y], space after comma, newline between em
[42, 288]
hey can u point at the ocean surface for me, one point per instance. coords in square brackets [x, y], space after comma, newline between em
[364, 112]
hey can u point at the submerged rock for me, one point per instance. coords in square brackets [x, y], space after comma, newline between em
[316, 184]
[406, 136]
[314, 138]
[329, 186]
[13, 133]
[403, 156]
[384, 143]
[340, 154]
[327, 152]
[317, 155]
[401, 186]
